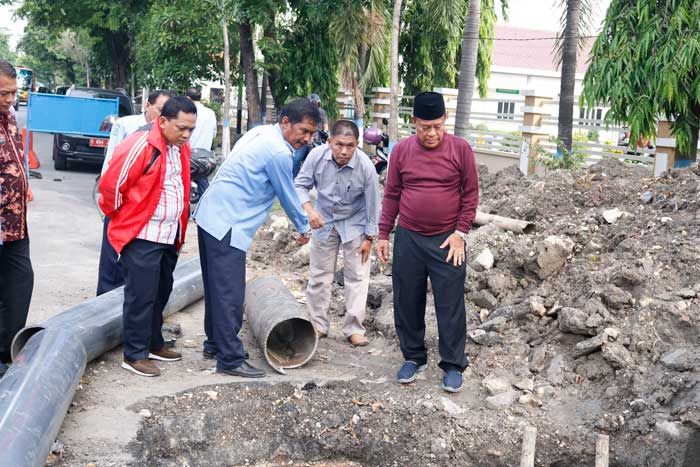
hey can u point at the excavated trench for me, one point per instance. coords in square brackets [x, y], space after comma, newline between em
[349, 424]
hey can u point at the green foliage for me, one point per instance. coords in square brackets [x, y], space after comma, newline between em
[429, 43]
[361, 34]
[593, 135]
[431, 39]
[38, 54]
[305, 58]
[6, 52]
[585, 27]
[111, 24]
[562, 159]
[645, 63]
[181, 42]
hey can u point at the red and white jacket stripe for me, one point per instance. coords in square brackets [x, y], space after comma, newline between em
[132, 185]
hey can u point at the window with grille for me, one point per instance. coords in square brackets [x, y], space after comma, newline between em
[506, 110]
[590, 117]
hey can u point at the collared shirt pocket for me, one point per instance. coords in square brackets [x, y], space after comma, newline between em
[352, 192]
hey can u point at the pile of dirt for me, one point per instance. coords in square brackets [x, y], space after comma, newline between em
[590, 324]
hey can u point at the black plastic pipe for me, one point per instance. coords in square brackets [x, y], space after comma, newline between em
[49, 360]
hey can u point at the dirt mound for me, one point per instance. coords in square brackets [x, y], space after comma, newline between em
[588, 325]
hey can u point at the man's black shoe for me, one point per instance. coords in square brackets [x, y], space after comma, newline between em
[212, 355]
[246, 370]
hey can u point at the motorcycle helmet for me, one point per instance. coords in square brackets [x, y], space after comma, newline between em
[202, 163]
[315, 99]
[372, 135]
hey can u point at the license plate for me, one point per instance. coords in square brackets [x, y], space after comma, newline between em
[98, 142]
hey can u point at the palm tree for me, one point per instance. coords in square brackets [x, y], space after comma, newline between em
[394, 67]
[245, 29]
[467, 68]
[576, 24]
[361, 35]
[477, 56]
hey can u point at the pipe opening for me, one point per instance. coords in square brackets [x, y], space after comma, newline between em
[529, 228]
[291, 343]
[21, 339]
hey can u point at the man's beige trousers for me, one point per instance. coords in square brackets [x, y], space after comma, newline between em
[323, 259]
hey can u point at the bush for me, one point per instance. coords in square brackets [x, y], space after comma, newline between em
[562, 159]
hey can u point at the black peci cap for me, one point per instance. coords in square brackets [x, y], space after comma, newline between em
[428, 106]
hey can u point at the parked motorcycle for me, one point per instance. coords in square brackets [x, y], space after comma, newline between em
[202, 164]
[380, 140]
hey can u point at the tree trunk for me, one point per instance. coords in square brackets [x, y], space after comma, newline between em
[269, 32]
[226, 117]
[87, 74]
[693, 156]
[251, 76]
[568, 74]
[239, 106]
[467, 68]
[263, 98]
[394, 98]
[119, 46]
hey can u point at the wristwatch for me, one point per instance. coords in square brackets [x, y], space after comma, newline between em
[462, 235]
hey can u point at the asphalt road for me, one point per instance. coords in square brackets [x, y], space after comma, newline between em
[65, 232]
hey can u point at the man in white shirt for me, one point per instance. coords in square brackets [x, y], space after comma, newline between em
[110, 275]
[204, 133]
[129, 124]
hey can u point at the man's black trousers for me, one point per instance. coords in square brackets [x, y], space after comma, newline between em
[148, 280]
[417, 257]
[223, 274]
[16, 285]
[109, 275]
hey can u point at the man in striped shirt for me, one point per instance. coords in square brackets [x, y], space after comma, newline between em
[145, 192]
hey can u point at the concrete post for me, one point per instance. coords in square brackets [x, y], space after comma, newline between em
[380, 106]
[665, 142]
[531, 129]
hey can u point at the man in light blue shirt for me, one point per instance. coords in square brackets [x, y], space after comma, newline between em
[109, 272]
[258, 169]
[346, 217]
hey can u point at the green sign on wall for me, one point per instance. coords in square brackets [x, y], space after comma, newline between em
[507, 91]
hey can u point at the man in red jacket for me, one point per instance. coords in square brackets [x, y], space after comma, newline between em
[433, 187]
[145, 193]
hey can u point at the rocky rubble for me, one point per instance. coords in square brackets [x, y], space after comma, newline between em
[590, 323]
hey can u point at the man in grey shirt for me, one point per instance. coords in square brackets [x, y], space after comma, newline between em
[346, 216]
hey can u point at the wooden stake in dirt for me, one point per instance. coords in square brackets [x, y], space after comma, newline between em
[527, 457]
[602, 450]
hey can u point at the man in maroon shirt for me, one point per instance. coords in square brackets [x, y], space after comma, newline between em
[16, 275]
[433, 187]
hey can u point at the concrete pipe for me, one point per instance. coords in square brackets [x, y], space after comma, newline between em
[281, 326]
[505, 223]
[49, 360]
